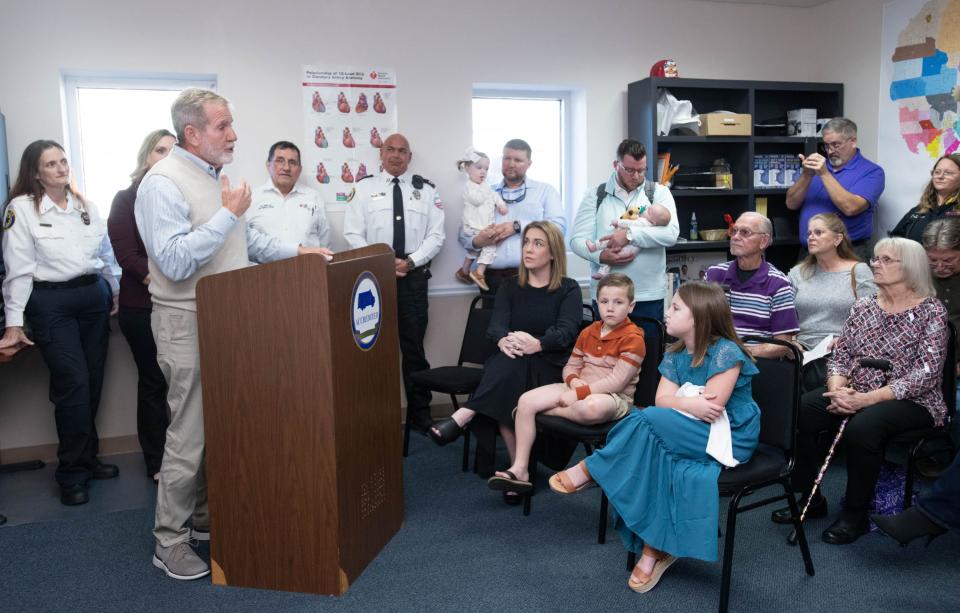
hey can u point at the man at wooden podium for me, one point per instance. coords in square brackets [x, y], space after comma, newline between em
[405, 212]
[192, 225]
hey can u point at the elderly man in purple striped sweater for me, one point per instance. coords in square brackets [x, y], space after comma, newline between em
[761, 297]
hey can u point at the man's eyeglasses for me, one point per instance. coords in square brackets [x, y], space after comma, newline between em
[834, 146]
[634, 172]
[519, 198]
[281, 162]
[883, 260]
[744, 232]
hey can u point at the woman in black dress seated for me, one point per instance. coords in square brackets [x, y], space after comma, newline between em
[535, 322]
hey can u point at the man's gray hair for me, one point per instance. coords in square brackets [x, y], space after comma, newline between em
[187, 109]
[842, 126]
[765, 225]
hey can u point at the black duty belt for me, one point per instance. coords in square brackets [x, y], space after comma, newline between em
[80, 281]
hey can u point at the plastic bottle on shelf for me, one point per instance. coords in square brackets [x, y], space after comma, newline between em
[693, 227]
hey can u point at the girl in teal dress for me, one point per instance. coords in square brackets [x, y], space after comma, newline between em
[655, 468]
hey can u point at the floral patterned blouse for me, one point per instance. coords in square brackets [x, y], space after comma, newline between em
[914, 342]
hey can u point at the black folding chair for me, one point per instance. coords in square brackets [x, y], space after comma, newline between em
[461, 379]
[915, 440]
[595, 436]
[776, 389]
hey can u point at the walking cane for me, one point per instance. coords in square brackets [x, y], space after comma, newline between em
[881, 365]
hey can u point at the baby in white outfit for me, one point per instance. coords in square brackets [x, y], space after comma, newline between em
[480, 203]
[634, 220]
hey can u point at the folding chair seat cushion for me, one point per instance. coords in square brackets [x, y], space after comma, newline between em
[767, 464]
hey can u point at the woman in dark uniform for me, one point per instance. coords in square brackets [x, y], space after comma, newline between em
[59, 275]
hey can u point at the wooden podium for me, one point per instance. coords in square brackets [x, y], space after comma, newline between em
[302, 418]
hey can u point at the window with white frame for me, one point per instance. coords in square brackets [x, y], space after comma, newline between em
[107, 119]
[540, 117]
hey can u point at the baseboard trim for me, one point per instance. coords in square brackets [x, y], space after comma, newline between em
[48, 453]
[126, 444]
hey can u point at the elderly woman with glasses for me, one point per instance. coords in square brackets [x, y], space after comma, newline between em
[904, 325]
[939, 199]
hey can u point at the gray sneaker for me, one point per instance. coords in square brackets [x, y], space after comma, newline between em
[180, 562]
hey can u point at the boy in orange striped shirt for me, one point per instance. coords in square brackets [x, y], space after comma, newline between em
[599, 379]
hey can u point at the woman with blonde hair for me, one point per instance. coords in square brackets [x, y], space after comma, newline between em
[827, 283]
[535, 323]
[135, 304]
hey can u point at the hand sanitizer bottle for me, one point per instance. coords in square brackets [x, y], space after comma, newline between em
[693, 227]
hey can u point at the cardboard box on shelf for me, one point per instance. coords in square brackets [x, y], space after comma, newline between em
[725, 124]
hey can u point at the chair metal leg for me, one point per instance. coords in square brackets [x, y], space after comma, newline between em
[602, 528]
[406, 436]
[911, 468]
[465, 464]
[534, 460]
[798, 529]
[727, 570]
[631, 561]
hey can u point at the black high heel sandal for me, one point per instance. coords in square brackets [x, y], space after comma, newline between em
[449, 431]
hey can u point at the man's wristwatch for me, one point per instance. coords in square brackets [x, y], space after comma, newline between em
[516, 227]
[410, 264]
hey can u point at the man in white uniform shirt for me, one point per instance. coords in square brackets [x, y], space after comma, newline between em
[283, 208]
[404, 211]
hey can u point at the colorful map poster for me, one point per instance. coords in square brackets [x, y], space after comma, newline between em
[348, 113]
[918, 97]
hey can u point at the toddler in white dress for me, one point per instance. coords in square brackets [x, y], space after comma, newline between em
[480, 203]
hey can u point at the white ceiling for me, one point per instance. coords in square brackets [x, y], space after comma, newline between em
[794, 3]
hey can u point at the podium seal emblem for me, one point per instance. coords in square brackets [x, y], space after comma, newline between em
[365, 302]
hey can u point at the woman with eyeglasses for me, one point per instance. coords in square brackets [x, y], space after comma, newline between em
[904, 325]
[136, 306]
[939, 199]
[828, 281]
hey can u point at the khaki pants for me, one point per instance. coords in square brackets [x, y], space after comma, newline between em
[182, 492]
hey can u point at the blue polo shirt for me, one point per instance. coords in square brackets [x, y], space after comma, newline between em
[859, 176]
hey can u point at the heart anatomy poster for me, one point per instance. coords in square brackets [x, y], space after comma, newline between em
[348, 113]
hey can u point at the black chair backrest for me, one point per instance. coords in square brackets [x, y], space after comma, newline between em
[586, 317]
[476, 346]
[646, 393]
[776, 390]
[950, 373]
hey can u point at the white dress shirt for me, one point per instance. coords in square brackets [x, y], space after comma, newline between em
[51, 244]
[369, 217]
[299, 217]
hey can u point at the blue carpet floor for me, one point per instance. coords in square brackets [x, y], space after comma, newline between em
[462, 549]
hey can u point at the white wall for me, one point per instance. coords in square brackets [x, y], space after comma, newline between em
[439, 50]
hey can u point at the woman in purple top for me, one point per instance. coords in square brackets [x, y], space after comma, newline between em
[135, 305]
[905, 325]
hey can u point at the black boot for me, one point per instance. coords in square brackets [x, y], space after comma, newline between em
[909, 525]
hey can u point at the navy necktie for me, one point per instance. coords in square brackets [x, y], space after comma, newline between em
[399, 232]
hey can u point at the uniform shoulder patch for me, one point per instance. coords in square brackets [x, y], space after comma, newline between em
[9, 219]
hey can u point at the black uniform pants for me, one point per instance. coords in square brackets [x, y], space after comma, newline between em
[152, 414]
[412, 305]
[71, 330]
[864, 437]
